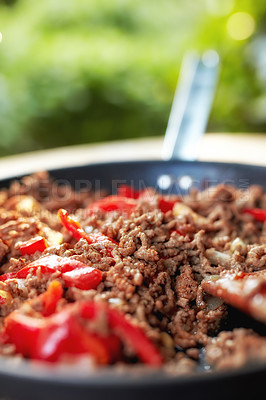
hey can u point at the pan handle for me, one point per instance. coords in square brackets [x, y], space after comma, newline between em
[191, 106]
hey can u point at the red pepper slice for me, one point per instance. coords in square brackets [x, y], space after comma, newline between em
[22, 274]
[8, 275]
[50, 338]
[63, 333]
[71, 225]
[78, 233]
[131, 334]
[128, 191]
[166, 205]
[84, 278]
[114, 203]
[46, 265]
[98, 237]
[125, 201]
[43, 269]
[74, 272]
[258, 213]
[136, 338]
[51, 297]
[59, 334]
[50, 342]
[23, 332]
[91, 343]
[35, 244]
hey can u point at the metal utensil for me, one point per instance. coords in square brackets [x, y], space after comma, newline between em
[191, 106]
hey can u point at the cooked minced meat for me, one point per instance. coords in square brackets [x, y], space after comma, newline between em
[233, 349]
[158, 251]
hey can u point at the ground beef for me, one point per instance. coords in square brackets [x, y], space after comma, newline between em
[234, 349]
[3, 250]
[154, 273]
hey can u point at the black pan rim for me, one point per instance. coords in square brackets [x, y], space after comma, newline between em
[132, 163]
[162, 162]
[112, 377]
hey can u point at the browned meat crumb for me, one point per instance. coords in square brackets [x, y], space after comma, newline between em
[235, 349]
[3, 250]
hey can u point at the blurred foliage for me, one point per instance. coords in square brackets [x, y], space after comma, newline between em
[91, 70]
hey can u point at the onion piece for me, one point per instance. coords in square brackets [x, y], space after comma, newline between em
[218, 258]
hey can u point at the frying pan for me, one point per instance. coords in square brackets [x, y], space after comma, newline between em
[24, 380]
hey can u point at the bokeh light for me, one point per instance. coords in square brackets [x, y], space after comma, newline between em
[240, 26]
[220, 7]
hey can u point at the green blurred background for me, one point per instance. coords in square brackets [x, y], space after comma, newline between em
[80, 71]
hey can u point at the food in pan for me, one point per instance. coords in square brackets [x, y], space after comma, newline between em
[133, 278]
